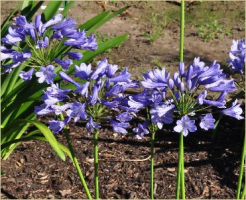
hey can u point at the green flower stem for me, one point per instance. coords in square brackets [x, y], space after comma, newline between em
[243, 193]
[152, 166]
[241, 170]
[76, 164]
[180, 173]
[95, 137]
[74, 158]
[182, 22]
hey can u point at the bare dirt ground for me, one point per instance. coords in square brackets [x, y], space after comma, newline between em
[211, 162]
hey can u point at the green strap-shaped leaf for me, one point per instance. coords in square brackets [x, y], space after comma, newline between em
[33, 136]
[92, 22]
[103, 21]
[67, 8]
[31, 13]
[49, 136]
[27, 5]
[51, 10]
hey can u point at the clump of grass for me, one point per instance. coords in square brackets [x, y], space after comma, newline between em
[212, 30]
[158, 22]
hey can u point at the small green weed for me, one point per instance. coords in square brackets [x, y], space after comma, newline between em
[101, 38]
[158, 22]
[157, 63]
[213, 30]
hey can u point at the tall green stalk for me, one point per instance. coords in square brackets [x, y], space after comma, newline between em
[180, 184]
[95, 138]
[182, 24]
[152, 166]
[241, 170]
[74, 158]
[76, 164]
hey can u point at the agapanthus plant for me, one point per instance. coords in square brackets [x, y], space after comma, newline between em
[98, 95]
[189, 95]
[237, 65]
[43, 46]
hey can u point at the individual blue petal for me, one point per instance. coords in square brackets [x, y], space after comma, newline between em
[94, 98]
[111, 69]
[222, 85]
[75, 55]
[64, 63]
[101, 68]
[119, 127]
[54, 95]
[83, 89]
[213, 70]
[57, 35]
[26, 75]
[55, 20]
[56, 126]
[122, 77]
[124, 117]
[65, 24]
[181, 69]
[60, 109]
[83, 71]
[43, 43]
[91, 125]
[43, 110]
[21, 21]
[37, 21]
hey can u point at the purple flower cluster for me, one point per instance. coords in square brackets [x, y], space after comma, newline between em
[99, 92]
[237, 56]
[42, 46]
[184, 95]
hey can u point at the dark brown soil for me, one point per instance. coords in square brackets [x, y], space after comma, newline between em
[211, 165]
[211, 162]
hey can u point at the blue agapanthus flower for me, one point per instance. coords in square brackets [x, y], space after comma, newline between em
[43, 43]
[92, 99]
[141, 129]
[187, 93]
[207, 122]
[234, 111]
[185, 125]
[237, 56]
